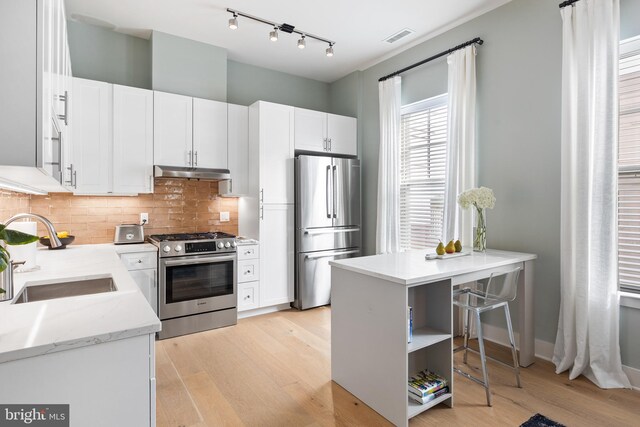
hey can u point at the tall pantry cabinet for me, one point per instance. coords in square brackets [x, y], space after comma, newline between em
[269, 206]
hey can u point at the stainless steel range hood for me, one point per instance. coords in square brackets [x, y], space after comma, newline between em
[203, 174]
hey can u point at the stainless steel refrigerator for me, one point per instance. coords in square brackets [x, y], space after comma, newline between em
[327, 217]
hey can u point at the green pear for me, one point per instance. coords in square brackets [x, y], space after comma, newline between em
[458, 245]
[440, 249]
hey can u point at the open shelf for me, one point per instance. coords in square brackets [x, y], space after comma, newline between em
[424, 337]
[415, 408]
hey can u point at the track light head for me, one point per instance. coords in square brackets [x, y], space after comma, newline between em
[330, 50]
[233, 22]
[302, 43]
[273, 35]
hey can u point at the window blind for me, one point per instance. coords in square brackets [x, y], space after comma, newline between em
[629, 170]
[423, 148]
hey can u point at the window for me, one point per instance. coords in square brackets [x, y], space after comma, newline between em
[629, 167]
[423, 149]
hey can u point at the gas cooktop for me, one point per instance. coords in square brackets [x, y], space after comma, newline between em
[187, 244]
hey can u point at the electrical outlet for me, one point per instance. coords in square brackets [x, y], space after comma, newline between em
[144, 218]
[224, 216]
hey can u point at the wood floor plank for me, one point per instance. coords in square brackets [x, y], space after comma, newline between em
[275, 370]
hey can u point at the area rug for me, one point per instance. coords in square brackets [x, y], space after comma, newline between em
[539, 420]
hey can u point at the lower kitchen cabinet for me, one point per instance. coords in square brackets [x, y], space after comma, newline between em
[248, 275]
[108, 384]
[143, 268]
[248, 295]
[276, 256]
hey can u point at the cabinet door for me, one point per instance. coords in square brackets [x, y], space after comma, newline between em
[172, 129]
[238, 148]
[209, 134]
[276, 255]
[276, 153]
[342, 132]
[132, 140]
[310, 130]
[146, 281]
[92, 139]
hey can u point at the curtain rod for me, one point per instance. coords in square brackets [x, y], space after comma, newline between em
[567, 3]
[424, 61]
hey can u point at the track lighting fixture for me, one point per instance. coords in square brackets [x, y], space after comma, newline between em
[330, 50]
[233, 22]
[285, 28]
[273, 35]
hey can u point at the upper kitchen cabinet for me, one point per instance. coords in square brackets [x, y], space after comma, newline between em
[271, 152]
[237, 151]
[132, 140]
[173, 129]
[92, 137]
[189, 132]
[35, 83]
[209, 134]
[316, 131]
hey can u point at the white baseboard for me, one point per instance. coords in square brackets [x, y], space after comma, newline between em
[544, 349]
[263, 310]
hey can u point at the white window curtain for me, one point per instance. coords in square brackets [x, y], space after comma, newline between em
[461, 138]
[588, 328]
[388, 225]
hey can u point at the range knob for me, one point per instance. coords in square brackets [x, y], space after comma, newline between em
[167, 249]
[178, 248]
[220, 245]
[233, 244]
[227, 245]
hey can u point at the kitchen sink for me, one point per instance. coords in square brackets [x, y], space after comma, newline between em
[69, 288]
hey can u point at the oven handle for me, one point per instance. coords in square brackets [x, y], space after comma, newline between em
[221, 258]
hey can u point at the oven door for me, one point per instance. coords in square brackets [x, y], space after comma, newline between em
[196, 284]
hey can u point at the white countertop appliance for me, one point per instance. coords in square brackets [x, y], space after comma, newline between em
[197, 282]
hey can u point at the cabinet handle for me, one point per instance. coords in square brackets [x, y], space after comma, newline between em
[324, 144]
[196, 157]
[189, 158]
[262, 195]
[329, 144]
[65, 99]
[75, 179]
[71, 173]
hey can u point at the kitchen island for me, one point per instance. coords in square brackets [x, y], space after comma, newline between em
[94, 352]
[370, 296]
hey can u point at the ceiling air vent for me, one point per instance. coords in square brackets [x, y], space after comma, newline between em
[399, 35]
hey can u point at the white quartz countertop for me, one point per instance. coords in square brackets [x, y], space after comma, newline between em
[411, 268]
[41, 327]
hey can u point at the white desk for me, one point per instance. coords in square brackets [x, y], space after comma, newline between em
[370, 356]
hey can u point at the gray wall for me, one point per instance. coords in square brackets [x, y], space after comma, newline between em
[248, 83]
[188, 67]
[518, 72]
[101, 54]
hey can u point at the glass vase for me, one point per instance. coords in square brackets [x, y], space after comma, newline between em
[480, 232]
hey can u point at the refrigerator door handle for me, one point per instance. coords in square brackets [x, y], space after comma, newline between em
[335, 198]
[328, 188]
[332, 254]
[333, 230]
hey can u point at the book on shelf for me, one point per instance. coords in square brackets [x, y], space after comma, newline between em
[429, 397]
[410, 323]
[425, 383]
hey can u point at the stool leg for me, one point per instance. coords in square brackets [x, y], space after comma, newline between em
[483, 358]
[467, 329]
[512, 341]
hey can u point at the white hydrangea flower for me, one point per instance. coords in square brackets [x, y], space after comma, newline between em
[481, 198]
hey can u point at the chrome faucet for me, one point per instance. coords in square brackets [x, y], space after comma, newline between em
[53, 235]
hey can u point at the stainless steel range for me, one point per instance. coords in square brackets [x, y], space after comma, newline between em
[197, 282]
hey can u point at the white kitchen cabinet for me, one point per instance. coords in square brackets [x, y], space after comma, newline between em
[320, 132]
[132, 140]
[276, 254]
[237, 151]
[92, 136]
[271, 140]
[248, 277]
[107, 384]
[173, 129]
[143, 268]
[248, 296]
[34, 80]
[209, 134]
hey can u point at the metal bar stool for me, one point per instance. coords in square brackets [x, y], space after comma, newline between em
[479, 301]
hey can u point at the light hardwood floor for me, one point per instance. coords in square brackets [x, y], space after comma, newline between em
[275, 370]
